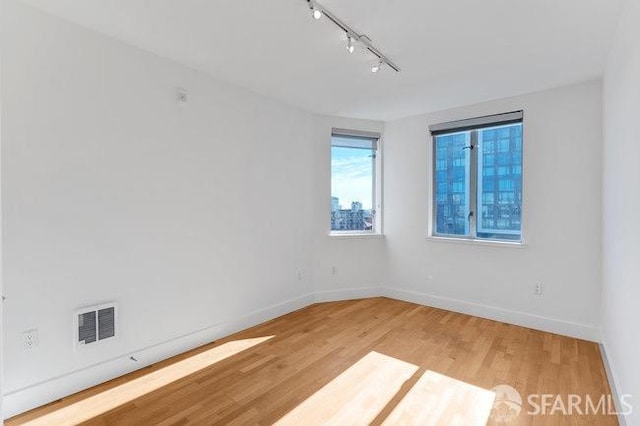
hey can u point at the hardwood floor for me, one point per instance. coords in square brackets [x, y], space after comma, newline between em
[346, 363]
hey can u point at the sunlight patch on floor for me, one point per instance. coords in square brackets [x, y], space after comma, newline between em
[354, 397]
[440, 400]
[101, 403]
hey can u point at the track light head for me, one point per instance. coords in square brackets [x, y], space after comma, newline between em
[350, 45]
[377, 65]
[316, 12]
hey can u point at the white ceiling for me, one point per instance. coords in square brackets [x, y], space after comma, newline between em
[452, 52]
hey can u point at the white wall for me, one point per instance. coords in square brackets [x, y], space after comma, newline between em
[1, 262]
[196, 219]
[621, 201]
[562, 219]
[189, 217]
[343, 267]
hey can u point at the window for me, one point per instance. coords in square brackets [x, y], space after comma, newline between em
[477, 178]
[354, 189]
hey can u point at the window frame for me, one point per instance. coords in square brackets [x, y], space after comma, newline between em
[472, 125]
[376, 181]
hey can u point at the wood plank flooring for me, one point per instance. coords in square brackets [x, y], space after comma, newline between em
[316, 347]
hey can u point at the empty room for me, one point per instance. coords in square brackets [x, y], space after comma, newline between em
[320, 212]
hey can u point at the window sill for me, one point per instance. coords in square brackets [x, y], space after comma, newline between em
[476, 242]
[354, 235]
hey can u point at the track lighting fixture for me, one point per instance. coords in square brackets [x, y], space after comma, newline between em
[353, 37]
[350, 46]
[376, 66]
[316, 12]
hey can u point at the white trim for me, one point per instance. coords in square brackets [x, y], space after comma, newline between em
[476, 242]
[24, 399]
[523, 319]
[21, 400]
[378, 190]
[346, 294]
[614, 384]
[349, 235]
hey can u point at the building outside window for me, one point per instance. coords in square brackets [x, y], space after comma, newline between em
[477, 178]
[355, 174]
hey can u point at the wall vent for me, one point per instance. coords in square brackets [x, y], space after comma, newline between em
[95, 324]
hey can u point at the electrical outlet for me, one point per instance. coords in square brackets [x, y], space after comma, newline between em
[538, 289]
[30, 339]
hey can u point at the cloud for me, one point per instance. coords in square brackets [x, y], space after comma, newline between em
[351, 177]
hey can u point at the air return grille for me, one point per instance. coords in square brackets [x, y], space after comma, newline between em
[95, 324]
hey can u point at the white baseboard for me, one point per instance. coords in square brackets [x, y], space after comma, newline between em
[346, 294]
[21, 400]
[613, 381]
[552, 325]
[24, 399]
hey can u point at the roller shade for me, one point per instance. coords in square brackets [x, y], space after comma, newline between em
[476, 123]
[354, 139]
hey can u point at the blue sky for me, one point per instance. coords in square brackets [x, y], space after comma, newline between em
[351, 174]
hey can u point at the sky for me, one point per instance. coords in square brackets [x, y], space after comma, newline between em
[351, 176]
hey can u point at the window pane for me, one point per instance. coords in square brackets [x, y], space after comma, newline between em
[452, 184]
[500, 182]
[352, 186]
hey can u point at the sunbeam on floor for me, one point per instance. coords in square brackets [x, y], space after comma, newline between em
[360, 393]
[112, 398]
[354, 397]
[440, 400]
